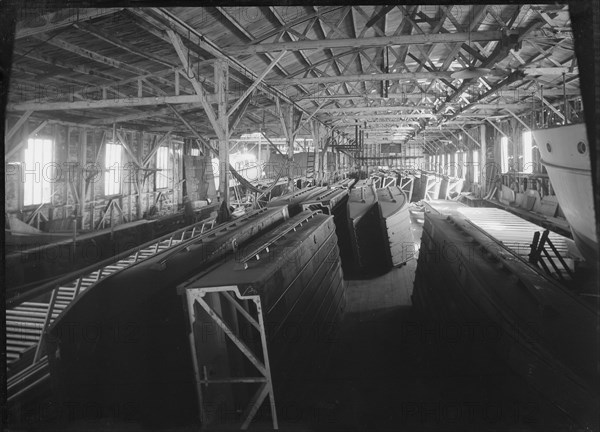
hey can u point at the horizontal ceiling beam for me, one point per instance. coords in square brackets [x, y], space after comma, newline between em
[400, 76]
[373, 96]
[366, 42]
[141, 115]
[550, 71]
[374, 109]
[399, 117]
[52, 21]
[517, 94]
[104, 103]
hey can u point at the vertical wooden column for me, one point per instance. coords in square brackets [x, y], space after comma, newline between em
[291, 137]
[336, 162]
[317, 145]
[482, 160]
[139, 185]
[221, 90]
[259, 158]
[81, 169]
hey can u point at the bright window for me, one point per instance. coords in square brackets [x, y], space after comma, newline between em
[527, 152]
[162, 165]
[504, 154]
[38, 171]
[476, 176]
[455, 168]
[112, 160]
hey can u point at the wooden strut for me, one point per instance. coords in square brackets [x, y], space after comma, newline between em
[537, 249]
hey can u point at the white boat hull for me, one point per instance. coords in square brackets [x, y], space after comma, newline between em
[565, 153]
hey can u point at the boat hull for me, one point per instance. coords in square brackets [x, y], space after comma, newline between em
[124, 342]
[302, 297]
[393, 205]
[565, 153]
[544, 333]
[366, 233]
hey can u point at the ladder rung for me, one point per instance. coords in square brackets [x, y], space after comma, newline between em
[20, 342]
[14, 312]
[30, 338]
[12, 329]
[34, 304]
[14, 349]
[29, 324]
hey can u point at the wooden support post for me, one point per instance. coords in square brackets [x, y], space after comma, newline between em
[482, 160]
[291, 141]
[317, 145]
[136, 179]
[172, 180]
[82, 162]
[221, 90]
[259, 158]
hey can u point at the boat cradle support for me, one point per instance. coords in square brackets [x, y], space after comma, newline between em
[199, 296]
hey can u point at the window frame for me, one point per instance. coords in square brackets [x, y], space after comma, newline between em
[43, 185]
[162, 174]
[476, 169]
[527, 144]
[110, 191]
[504, 167]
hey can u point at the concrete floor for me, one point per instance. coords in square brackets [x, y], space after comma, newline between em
[389, 370]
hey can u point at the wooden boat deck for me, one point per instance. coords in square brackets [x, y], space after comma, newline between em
[361, 200]
[294, 199]
[510, 230]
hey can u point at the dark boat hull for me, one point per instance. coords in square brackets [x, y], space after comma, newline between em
[335, 202]
[543, 332]
[393, 207]
[366, 235]
[302, 296]
[124, 343]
